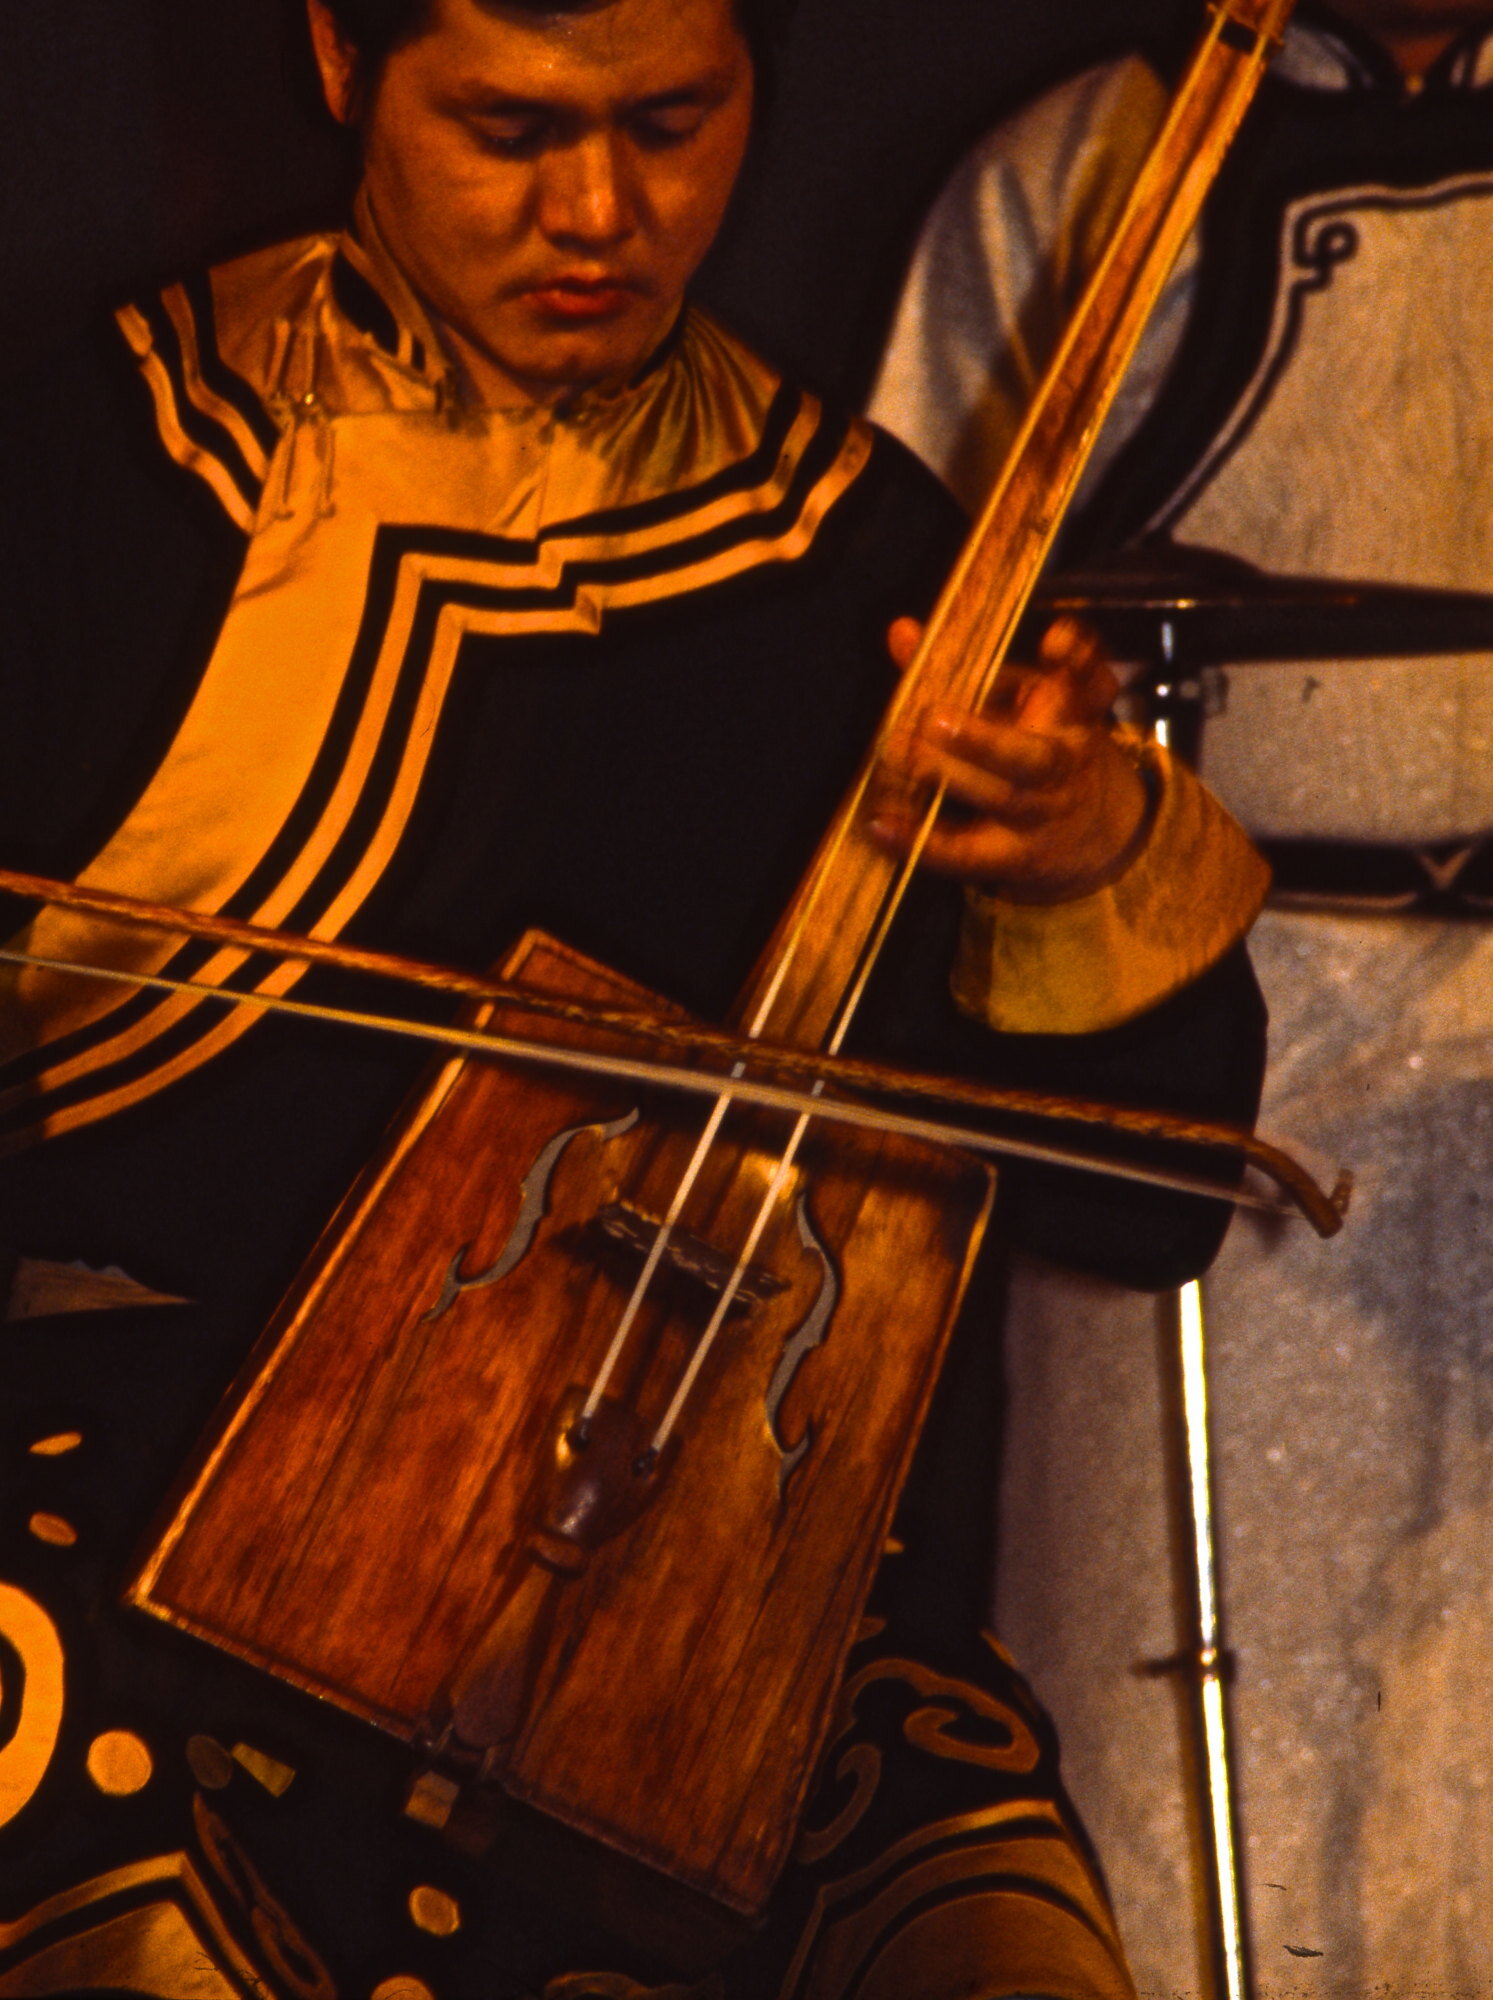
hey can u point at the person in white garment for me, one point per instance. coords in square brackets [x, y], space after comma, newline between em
[1313, 395]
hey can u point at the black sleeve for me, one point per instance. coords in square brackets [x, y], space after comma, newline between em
[1200, 1053]
[116, 569]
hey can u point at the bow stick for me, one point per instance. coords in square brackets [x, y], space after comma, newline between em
[1322, 1210]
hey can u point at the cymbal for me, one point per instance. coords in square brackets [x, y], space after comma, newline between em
[1224, 611]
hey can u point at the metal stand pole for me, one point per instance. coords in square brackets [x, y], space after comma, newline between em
[1206, 1662]
[1178, 705]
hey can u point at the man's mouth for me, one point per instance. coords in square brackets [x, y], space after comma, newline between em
[578, 298]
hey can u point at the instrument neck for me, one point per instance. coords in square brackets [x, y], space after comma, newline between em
[807, 987]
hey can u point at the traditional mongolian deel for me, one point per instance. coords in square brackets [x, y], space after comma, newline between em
[351, 657]
[387, 526]
[1311, 397]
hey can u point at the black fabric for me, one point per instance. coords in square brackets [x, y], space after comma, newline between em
[1295, 143]
[115, 571]
[326, 1868]
[1447, 878]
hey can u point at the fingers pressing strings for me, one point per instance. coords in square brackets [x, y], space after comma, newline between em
[1041, 801]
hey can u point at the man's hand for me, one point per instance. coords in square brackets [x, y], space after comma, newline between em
[1045, 804]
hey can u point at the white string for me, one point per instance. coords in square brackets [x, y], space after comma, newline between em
[892, 902]
[732, 1286]
[655, 1257]
[667, 1076]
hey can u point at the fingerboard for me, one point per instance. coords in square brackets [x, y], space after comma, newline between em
[810, 975]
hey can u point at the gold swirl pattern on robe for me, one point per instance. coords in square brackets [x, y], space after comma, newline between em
[30, 1638]
[996, 1901]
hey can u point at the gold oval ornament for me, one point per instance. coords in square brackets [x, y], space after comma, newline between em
[119, 1763]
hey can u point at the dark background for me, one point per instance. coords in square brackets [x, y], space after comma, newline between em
[138, 136]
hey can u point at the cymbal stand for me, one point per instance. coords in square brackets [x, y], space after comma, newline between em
[1179, 701]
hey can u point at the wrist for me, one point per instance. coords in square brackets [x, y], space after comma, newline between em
[1189, 893]
[1135, 789]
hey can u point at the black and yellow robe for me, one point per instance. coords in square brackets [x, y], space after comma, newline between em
[294, 633]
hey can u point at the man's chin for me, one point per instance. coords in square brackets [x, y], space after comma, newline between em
[559, 357]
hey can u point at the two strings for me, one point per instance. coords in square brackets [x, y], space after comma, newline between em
[783, 1168]
[1041, 529]
[999, 626]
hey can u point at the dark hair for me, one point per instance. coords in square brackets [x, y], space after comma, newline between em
[374, 28]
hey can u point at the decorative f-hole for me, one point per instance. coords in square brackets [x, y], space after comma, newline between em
[533, 1200]
[800, 1344]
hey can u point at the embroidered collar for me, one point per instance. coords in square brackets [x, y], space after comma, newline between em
[1323, 52]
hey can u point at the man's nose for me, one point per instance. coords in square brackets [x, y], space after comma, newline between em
[587, 199]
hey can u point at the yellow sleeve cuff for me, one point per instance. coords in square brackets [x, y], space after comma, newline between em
[1070, 968]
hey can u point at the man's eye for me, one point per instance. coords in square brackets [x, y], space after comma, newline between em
[668, 125]
[513, 136]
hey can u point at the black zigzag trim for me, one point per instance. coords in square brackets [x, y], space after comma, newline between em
[392, 546]
[162, 1048]
[463, 545]
[752, 471]
[1317, 253]
[23, 1069]
[186, 962]
[281, 854]
[226, 382]
[204, 431]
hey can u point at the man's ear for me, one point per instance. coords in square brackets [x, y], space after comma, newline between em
[337, 60]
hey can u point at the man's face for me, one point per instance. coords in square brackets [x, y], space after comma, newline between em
[548, 183]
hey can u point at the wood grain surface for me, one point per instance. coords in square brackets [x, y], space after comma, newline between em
[363, 1508]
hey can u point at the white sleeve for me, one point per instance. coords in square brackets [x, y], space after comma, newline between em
[1000, 265]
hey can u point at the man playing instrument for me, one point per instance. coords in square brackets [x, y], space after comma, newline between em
[1310, 397]
[409, 585]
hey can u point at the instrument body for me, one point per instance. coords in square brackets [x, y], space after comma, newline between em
[362, 1516]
